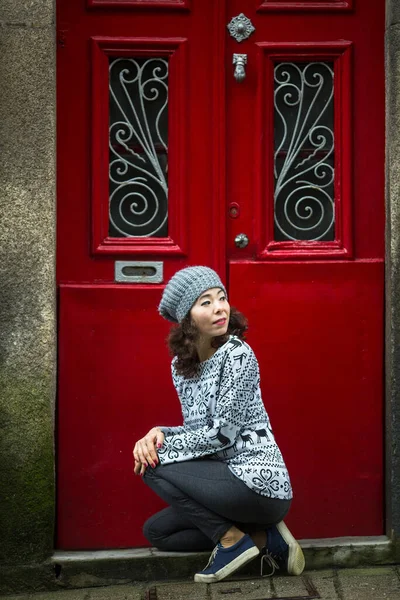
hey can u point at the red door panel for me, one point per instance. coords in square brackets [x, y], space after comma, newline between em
[316, 329]
[112, 387]
[315, 306]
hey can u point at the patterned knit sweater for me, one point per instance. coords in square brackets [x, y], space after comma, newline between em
[224, 419]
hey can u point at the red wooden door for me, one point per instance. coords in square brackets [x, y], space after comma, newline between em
[143, 180]
[120, 146]
[305, 173]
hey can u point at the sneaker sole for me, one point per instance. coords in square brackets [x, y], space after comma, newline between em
[296, 560]
[233, 566]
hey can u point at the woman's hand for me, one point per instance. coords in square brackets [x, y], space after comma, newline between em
[145, 450]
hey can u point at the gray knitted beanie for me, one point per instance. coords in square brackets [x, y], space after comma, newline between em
[183, 289]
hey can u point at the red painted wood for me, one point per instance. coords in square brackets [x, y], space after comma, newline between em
[114, 383]
[308, 5]
[114, 371]
[316, 322]
[140, 4]
[317, 331]
[363, 135]
[200, 166]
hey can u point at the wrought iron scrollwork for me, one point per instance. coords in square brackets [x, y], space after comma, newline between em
[138, 147]
[304, 152]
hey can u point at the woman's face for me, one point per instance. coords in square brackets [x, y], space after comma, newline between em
[210, 313]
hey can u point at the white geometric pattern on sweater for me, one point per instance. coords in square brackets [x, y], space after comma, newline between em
[224, 418]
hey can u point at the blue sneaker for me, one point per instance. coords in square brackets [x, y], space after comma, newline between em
[225, 561]
[282, 552]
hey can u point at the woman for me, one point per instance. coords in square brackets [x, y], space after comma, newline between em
[221, 472]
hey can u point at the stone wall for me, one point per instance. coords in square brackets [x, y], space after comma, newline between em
[27, 288]
[392, 52]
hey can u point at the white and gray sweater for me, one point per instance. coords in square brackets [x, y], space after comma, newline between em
[224, 418]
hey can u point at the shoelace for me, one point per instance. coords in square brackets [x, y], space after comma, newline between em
[271, 562]
[211, 559]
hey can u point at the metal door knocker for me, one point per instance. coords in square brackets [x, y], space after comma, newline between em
[240, 60]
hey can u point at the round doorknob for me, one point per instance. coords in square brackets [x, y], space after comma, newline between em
[241, 240]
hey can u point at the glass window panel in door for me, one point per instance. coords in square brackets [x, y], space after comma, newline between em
[138, 147]
[304, 151]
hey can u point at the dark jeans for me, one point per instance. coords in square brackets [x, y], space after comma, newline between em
[205, 500]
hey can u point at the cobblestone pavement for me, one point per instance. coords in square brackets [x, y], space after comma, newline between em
[374, 583]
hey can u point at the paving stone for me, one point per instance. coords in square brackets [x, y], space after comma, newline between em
[375, 583]
[380, 583]
[286, 587]
[238, 589]
[24, 597]
[182, 591]
[323, 582]
[60, 595]
[115, 592]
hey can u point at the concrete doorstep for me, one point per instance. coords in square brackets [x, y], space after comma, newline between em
[373, 583]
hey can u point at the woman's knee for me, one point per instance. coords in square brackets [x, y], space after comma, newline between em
[149, 531]
[151, 475]
[154, 532]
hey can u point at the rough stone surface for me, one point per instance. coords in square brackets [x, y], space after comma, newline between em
[27, 289]
[86, 569]
[28, 578]
[348, 552]
[284, 587]
[393, 278]
[110, 593]
[392, 12]
[370, 584]
[111, 572]
[325, 584]
[186, 591]
[31, 12]
[347, 584]
[80, 569]
[237, 588]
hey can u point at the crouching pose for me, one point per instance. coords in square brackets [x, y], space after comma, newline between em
[221, 472]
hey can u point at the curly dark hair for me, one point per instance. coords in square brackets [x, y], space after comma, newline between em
[182, 339]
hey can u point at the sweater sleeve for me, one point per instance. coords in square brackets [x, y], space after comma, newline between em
[167, 431]
[236, 388]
